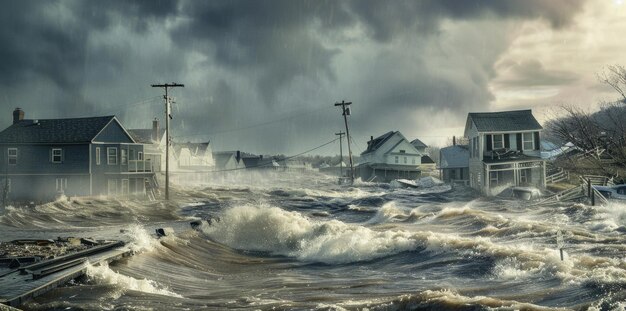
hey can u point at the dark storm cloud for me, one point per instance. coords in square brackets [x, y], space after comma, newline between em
[271, 41]
[275, 42]
[64, 56]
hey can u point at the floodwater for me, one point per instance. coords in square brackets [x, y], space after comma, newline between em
[288, 241]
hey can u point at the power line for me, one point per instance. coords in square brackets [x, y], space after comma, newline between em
[269, 163]
[252, 126]
[145, 101]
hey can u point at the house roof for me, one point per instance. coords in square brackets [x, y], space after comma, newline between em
[197, 149]
[222, 157]
[418, 143]
[427, 160]
[503, 121]
[144, 136]
[70, 130]
[377, 142]
[456, 156]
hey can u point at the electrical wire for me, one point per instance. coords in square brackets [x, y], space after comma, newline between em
[270, 163]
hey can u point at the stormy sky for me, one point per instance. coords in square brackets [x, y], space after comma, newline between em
[262, 76]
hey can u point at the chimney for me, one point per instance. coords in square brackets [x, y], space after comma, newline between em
[155, 129]
[371, 138]
[18, 115]
[453, 140]
[238, 155]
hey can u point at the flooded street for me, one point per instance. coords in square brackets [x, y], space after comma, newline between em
[302, 242]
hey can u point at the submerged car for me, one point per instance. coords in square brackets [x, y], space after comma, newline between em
[617, 192]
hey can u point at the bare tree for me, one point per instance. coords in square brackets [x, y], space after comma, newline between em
[601, 134]
[615, 76]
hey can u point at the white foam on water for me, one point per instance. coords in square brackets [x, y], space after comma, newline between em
[104, 275]
[388, 212]
[280, 232]
[610, 216]
[141, 240]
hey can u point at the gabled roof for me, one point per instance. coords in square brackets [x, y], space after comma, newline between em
[196, 149]
[418, 143]
[144, 136]
[503, 121]
[70, 130]
[427, 160]
[222, 157]
[456, 156]
[377, 142]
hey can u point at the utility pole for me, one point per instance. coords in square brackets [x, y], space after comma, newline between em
[346, 112]
[340, 134]
[168, 116]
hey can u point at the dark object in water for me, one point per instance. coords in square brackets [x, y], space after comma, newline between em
[164, 231]
[195, 224]
[526, 193]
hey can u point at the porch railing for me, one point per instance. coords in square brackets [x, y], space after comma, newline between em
[139, 166]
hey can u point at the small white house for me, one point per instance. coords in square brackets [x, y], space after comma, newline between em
[194, 156]
[388, 157]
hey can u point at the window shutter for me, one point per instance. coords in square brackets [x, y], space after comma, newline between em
[507, 141]
[537, 143]
[489, 143]
[519, 141]
[50, 155]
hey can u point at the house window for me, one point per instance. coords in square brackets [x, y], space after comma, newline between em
[12, 156]
[61, 184]
[111, 155]
[402, 151]
[397, 159]
[140, 156]
[523, 176]
[125, 187]
[57, 155]
[413, 160]
[529, 141]
[112, 185]
[123, 156]
[97, 155]
[493, 178]
[498, 141]
[405, 160]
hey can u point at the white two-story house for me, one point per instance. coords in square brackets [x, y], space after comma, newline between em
[504, 150]
[389, 157]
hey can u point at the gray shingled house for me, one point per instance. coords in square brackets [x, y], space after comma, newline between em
[454, 163]
[504, 150]
[45, 158]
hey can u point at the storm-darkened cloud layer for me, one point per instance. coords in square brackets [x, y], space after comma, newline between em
[247, 62]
